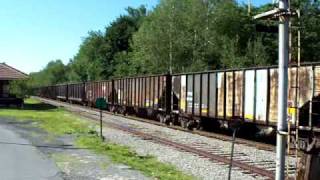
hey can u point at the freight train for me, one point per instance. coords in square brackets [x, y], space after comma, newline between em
[202, 99]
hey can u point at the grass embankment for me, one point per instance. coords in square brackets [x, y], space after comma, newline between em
[58, 121]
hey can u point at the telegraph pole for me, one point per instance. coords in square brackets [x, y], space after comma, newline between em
[282, 90]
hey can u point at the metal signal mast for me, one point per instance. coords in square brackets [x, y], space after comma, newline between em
[283, 14]
[282, 90]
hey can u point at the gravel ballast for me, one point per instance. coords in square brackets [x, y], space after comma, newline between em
[197, 166]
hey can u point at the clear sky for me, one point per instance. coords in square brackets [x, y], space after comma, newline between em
[33, 32]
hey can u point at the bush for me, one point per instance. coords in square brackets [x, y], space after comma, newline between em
[20, 88]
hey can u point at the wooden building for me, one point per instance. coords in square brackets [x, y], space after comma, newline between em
[8, 74]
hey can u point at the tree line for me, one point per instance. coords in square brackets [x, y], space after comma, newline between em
[181, 36]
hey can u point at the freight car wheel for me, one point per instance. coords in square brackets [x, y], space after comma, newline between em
[167, 120]
[122, 110]
[183, 122]
[158, 117]
[190, 125]
[113, 109]
[199, 126]
[161, 118]
[175, 120]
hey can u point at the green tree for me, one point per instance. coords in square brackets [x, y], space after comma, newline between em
[54, 73]
[87, 64]
[183, 36]
[117, 38]
[103, 55]
[21, 88]
[190, 36]
[310, 29]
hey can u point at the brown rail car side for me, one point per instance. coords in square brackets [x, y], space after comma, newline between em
[247, 95]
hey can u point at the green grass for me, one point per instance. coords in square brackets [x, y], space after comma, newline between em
[54, 120]
[57, 121]
[31, 101]
[121, 154]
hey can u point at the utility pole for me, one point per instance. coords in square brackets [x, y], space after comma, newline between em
[282, 90]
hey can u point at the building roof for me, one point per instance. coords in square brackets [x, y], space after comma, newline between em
[10, 73]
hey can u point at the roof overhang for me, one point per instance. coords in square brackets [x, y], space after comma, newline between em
[9, 73]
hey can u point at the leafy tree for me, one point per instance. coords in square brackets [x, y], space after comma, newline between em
[310, 27]
[20, 88]
[124, 65]
[54, 73]
[182, 36]
[190, 36]
[87, 64]
[117, 39]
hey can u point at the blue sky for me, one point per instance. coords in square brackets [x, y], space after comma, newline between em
[33, 32]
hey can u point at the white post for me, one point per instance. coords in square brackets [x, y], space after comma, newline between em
[282, 90]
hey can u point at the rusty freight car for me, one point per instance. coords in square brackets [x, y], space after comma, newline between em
[96, 89]
[62, 91]
[76, 93]
[48, 91]
[200, 99]
[146, 96]
[248, 95]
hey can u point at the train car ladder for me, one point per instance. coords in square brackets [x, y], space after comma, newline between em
[293, 133]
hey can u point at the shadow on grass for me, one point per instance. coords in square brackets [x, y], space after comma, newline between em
[38, 106]
[35, 107]
[52, 146]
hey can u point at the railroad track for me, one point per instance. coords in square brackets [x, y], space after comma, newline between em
[258, 145]
[264, 169]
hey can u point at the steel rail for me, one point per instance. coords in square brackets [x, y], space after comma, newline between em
[213, 157]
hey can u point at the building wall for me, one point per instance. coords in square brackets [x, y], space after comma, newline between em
[4, 88]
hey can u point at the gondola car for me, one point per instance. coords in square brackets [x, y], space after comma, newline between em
[97, 89]
[62, 92]
[76, 93]
[145, 96]
[47, 92]
[247, 95]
